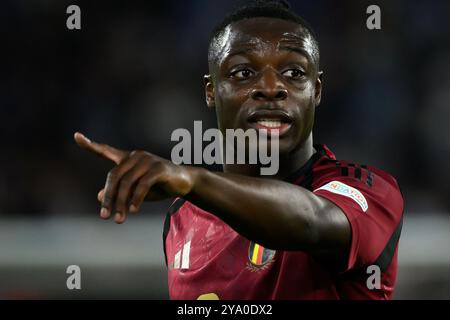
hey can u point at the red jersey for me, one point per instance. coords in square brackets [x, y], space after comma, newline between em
[207, 259]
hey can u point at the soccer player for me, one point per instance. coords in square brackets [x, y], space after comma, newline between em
[319, 229]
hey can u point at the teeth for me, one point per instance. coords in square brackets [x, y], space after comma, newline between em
[269, 123]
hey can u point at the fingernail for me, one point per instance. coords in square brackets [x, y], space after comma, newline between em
[104, 213]
[117, 216]
[133, 208]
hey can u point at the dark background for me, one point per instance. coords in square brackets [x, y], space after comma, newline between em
[133, 74]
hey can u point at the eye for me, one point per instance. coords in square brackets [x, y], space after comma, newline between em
[294, 73]
[242, 74]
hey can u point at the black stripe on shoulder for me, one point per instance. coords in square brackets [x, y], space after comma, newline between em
[358, 173]
[385, 258]
[344, 171]
[177, 204]
[369, 180]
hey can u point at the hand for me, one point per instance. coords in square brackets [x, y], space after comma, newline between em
[138, 175]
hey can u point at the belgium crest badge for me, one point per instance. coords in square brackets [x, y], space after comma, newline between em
[259, 257]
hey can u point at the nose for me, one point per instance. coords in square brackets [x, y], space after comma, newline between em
[269, 87]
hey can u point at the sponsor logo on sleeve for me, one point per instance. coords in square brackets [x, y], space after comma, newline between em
[338, 187]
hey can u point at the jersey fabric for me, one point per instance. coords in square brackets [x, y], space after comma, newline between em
[206, 259]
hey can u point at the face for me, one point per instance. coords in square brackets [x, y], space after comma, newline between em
[265, 77]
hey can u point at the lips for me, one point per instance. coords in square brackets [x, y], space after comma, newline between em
[276, 122]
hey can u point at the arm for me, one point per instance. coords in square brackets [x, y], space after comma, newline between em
[273, 213]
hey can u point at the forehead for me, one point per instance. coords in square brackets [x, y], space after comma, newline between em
[260, 34]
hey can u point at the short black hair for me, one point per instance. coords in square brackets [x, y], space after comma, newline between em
[262, 8]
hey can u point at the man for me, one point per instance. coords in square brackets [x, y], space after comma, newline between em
[318, 229]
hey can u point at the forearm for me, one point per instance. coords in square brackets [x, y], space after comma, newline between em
[273, 213]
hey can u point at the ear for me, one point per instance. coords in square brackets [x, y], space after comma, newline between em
[209, 91]
[318, 96]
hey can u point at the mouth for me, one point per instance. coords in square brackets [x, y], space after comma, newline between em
[276, 122]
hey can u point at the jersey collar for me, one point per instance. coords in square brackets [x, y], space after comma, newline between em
[303, 176]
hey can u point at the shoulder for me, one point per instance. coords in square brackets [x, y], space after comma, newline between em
[365, 184]
[365, 176]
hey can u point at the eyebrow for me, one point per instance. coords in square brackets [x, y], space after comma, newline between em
[297, 49]
[240, 51]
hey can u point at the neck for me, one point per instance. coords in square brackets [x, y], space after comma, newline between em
[289, 163]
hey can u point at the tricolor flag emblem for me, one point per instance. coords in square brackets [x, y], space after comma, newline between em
[258, 255]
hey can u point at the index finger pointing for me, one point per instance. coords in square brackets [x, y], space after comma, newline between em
[100, 149]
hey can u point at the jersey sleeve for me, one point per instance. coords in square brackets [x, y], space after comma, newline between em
[374, 211]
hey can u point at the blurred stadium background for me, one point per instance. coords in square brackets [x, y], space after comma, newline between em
[133, 74]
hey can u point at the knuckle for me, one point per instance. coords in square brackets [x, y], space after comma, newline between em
[145, 183]
[121, 200]
[120, 206]
[159, 165]
[141, 191]
[137, 199]
[125, 182]
[107, 199]
[120, 197]
[112, 175]
[101, 146]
